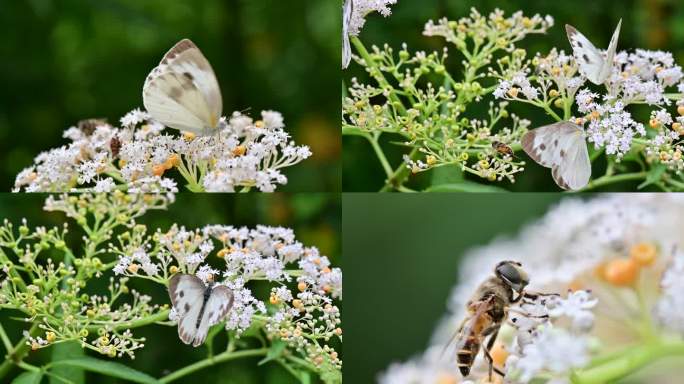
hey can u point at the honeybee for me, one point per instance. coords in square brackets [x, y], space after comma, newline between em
[502, 149]
[88, 126]
[487, 310]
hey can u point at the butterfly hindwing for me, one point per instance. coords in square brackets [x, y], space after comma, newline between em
[219, 303]
[562, 147]
[182, 91]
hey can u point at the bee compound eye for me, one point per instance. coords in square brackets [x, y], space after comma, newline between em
[510, 273]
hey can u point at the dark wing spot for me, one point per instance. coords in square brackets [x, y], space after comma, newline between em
[175, 93]
[562, 153]
[586, 58]
[211, 314]
[188, 75]
[181, 293]
[555, 143]
[187, 307]
[542, 146]
[579, 43]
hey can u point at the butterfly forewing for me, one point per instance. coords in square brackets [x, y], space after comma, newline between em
[589, 59]
[593, 64]
[182, 92]
[562, 147]
[610, 53]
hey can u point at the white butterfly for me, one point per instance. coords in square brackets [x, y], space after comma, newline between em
[182, 91]
[593, 64]
[198, 306]
[563, 148]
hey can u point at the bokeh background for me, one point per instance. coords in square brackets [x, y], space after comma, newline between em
[647, 24]
[402, 254]
[315, 219]
[67, 60]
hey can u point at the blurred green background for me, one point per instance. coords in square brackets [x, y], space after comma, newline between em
[66, 60]
[402, 254]
[315, 219]
[647, 24]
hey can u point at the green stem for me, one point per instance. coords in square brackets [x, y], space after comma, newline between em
[606, 180]
[222, 357]
[17, 353]
[5, 339]
[633, 359]
[157, 317]
[373, 140]
[399, 175]
[379, 77]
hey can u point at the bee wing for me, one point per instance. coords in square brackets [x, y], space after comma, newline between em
[461, 336]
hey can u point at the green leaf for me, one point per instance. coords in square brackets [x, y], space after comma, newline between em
[466, 186]
[107, 368]
[67, 350]
[30, 377]
[653, 176]
[448, 174]
[276, 350]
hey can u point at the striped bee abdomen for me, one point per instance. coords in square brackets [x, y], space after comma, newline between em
[466, 355]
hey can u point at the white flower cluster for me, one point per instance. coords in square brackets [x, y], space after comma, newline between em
[641, 77]
[361, 8]
[609, 125]
[614, 254]
[247, 254]
[518, 83]
[354, 14]
[101, 157]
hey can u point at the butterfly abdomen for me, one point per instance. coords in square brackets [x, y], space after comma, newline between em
[207, 294]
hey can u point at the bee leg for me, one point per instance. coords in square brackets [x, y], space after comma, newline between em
[536, 295]
[494, 330]
[527, 314]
